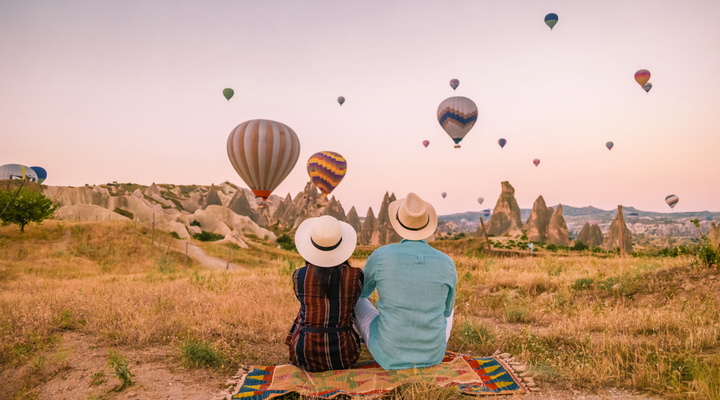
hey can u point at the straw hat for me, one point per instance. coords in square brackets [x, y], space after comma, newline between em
[412, 217]
[325, 241]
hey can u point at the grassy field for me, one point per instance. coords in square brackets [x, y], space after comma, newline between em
[641, 323]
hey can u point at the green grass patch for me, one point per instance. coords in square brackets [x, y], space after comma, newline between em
[200, 354]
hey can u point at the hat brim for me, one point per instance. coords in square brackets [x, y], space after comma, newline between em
[320, 258]
[407, 233]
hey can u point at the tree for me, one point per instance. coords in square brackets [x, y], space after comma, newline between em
[28, 206]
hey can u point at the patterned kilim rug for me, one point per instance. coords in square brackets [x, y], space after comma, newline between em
[367, 380]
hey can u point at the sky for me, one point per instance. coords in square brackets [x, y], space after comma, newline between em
[131, 91]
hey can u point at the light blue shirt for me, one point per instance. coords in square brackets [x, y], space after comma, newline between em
[416, 290]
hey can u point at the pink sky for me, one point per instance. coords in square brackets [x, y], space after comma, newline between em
[122, 91]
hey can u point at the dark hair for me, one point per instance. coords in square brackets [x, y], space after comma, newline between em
[330, 279]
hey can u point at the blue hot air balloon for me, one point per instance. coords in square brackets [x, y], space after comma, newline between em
[486, 213]
[708, 217]
[502, 142]
[41, 173]
[551, 19]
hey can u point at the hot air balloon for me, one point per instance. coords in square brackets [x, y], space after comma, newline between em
[17, 171]
[486, 213]
[457, 115]
[341, 100]
[708, 217]
[228, 93]
[551, 19]
[502, 142]
[647, 87]
[672, 200]
[41, 173]
[263, 152]
[532, 247]
[609, 145]
[443, 194]
[426, 143]
[633, 217]
[454, 83]
[326, 169]
[642, 77]
[536, 162]
[480, 200]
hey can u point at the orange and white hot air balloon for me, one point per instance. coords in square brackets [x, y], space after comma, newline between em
[263, 152]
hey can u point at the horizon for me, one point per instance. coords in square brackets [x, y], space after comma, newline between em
[133, 93]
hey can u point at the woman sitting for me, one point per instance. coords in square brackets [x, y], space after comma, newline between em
[322, 337]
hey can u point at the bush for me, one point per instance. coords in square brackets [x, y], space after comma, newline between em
[208, 236]
[286, 242]
[121, 369]
[199, 354]
[579, 246]
[583, 283]
[24, 206]
[124, 213]
[195, 223]
[552, 247]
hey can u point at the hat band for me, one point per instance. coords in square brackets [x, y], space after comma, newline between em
[328, 248]
[397, 217]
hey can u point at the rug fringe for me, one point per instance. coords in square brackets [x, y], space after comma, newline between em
[519, 369]
[234, 384]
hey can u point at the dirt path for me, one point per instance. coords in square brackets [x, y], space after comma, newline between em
[199, 255]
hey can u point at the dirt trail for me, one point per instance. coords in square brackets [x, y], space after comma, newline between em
[199, 255]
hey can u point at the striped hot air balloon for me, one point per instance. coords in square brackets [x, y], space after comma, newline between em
[17, 171]
[642, 77]
[486, 213]
[454, 83]
[672, 200]
[502, 143]
[647, 87]
[551, 19]
[326, 169]
[457, 115]
[263, 152]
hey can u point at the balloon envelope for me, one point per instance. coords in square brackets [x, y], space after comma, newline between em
[228, 93]
[502, 142]
[341, 100]
[486, 212]
[41, 173]
[672, 200]
[536, 162]
[709, 217]
[647, 87]
[642, 77]
[551, 19]
[326, 169]
[454, 83]
[263, 152]
[480, 200]
[426, 143]
[633, 217]
[443, 194]
[609, 145]
[17, 171]
[457, 115]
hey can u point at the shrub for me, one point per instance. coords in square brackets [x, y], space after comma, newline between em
[124, 213]
[195, 223]
[199, 354]
[552, 247]
[174, 235]
[286, 242]
[208, 236]
[583, 283]
[579, 246]
[121, 369]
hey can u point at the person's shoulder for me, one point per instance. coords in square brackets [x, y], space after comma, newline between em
[437, 253]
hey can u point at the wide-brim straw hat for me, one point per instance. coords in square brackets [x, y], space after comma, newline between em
[412, 217]
[325, 241]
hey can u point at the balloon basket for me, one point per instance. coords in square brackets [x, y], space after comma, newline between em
[457, 146]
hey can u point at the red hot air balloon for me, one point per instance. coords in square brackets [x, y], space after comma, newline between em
[426, 143]
[536, 162]
[642, 77]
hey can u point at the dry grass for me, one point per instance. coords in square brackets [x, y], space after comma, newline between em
[581, 321]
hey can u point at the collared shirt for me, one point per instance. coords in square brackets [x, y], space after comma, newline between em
[313, 346]
[416, 291]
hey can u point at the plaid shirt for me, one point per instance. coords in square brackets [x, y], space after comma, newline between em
[340, 347]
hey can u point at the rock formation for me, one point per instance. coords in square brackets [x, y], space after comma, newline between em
[669, 242]
[221, 220]
[715, 236]
[153, 192]
[307, 204]
[368, 229]
[506, 214]
[613, 238]
[386, 233]
[590, 235]
[87, 212]
[536, 227]
[212, 198]
[240, 205]
[354, 221]
[335, 209]
[557, 229]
